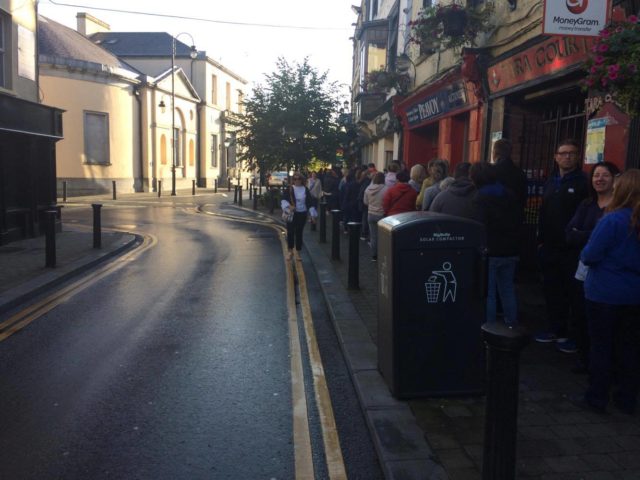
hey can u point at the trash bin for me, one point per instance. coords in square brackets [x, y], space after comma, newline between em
[431, 276]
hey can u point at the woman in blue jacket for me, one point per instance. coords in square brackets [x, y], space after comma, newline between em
[612, 292]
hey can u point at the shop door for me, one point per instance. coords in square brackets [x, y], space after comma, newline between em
[544, 126]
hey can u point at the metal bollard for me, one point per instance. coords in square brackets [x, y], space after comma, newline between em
[113, 184]
[235, 194]
[354, 255]
[159, 188]
[255, 198]
[228, 184]
[97, 225]
[215, 186]
[260, 189]
[504, 345]
[240, 195]
[250, 192]
[247, 180]
[50, 238]
[322, 220]
[193, 187]
[64, 191]
[335, 235]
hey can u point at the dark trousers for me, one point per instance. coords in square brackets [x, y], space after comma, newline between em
[614, 331]
[295, 229]
[565, 304]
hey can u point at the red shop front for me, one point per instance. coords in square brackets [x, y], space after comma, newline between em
[442, 120]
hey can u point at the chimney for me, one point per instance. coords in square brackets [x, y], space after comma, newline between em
[88, 24]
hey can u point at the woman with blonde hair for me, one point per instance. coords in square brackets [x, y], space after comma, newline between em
[612, 292]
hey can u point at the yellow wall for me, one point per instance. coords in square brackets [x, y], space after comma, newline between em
[76, 97]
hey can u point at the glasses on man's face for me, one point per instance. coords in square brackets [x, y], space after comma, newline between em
[567, 154]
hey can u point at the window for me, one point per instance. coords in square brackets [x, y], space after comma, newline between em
[214, 89]
[374, 9]
[228, 94]
[96, 138]
[214, 150]
[427, 3]
[4, 50]
[240, 100]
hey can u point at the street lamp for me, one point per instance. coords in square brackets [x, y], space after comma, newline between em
[193, 54]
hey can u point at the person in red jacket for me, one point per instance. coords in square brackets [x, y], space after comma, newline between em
[401, 197]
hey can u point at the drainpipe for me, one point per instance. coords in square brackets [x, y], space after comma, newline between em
[136, 94]
[199, 138]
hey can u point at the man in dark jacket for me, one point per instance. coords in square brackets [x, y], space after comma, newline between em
[509, 174]
[459, 197]
[563, 192]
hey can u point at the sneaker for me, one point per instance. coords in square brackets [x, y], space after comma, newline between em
[566, 346]
[363, 238]
[374, 259]
[546, 337]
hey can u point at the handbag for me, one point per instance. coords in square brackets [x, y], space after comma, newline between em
[287, 215]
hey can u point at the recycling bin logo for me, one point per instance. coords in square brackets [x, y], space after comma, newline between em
[442, 285]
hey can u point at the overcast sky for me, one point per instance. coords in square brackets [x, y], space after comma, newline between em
[250, 51]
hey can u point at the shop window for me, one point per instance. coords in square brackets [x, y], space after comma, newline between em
[214, 150]
[5, 28]
[96, 138]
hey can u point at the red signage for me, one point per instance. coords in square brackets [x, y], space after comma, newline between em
[547, 58]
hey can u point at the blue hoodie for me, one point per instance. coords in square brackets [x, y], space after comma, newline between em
[613, 257]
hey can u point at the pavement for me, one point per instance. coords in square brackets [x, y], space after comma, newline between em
[426, 438]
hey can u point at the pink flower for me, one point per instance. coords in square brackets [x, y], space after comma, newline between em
[599, 60]
[604, 33]
[603, 47]
[613, 75]
[615, 68]
[594, 49]
[632, 19]
[594, 69]
[589, 82]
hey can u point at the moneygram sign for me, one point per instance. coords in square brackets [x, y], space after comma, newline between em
[576, 17]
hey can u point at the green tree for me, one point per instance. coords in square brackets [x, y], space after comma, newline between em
[289, 121]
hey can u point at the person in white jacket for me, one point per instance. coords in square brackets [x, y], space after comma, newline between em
[373, 199]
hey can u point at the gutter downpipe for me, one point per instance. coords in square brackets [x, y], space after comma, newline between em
[136, 94]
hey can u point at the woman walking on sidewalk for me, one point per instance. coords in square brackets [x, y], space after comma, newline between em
[373, 196]
[300, 203]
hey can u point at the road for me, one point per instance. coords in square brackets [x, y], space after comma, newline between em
[190, 359]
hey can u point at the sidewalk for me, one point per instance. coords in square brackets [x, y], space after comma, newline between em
[556, 440]
[418, 439]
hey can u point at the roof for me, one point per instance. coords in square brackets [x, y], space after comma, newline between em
[58, 41]
[139, 44]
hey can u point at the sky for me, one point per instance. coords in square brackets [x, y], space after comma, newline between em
[250, 51]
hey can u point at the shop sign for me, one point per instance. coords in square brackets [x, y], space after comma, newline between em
[441, 102]
[550, 57]
[575, 17]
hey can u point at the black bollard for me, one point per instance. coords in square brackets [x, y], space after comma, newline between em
[255, 198]
[504, 345]
[193, 187]
[240, 195]
[228, 184]
[159, 188]
[113, 184]
[215, 186]
[335, 235]
[64, 191]
[260, 190]
[322, 220]
[235, 194]
[50, 238]
[97, 225]
[247, 180]
[273, 200]
[354, 255]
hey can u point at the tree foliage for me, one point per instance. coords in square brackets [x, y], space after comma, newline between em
[289, 121]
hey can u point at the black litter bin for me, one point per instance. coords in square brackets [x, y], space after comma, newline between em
[431, 303]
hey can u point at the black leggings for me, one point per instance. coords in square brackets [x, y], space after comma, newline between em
[294, 230]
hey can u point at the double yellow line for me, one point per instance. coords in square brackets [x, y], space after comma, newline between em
[21, 319]
[301, 434]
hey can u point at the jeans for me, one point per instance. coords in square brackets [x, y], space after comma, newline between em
[373, 220]
[294, 230]
[614, 331]
[502, 271]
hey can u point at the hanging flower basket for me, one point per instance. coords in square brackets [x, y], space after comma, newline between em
[450, 26]
[380, 81]
[614, 62]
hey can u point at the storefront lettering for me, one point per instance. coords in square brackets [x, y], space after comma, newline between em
[441, 102]
[547, 58]
[428, 109]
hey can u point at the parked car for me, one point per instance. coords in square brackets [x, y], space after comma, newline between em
[279, 178]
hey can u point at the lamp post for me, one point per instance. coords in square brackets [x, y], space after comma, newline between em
[193, 54]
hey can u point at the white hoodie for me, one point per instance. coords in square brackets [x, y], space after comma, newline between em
[373, 198]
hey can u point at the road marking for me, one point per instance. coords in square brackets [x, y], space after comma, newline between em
[302, 438]
[333, 452]
[26, 316]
